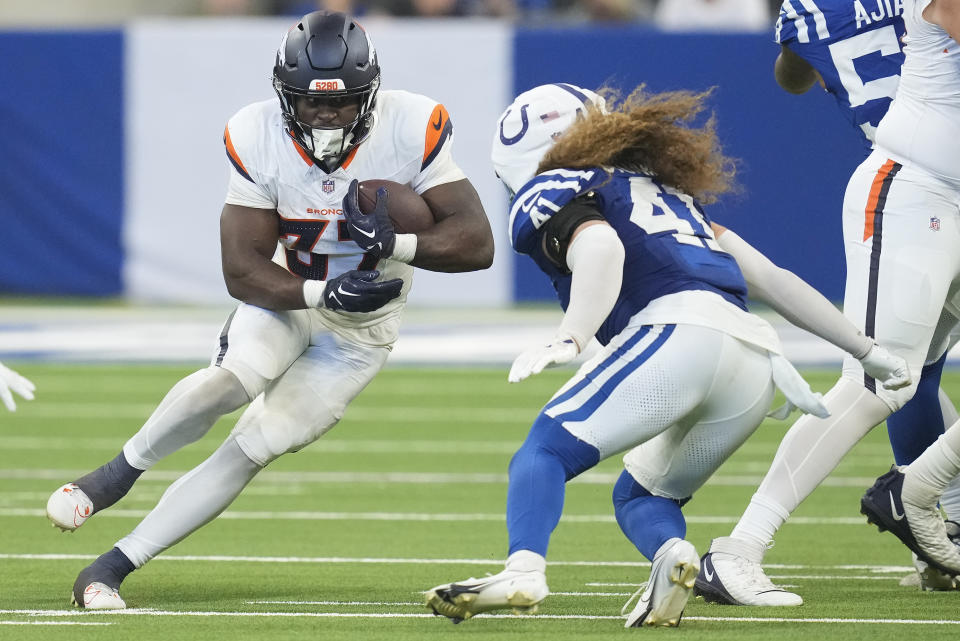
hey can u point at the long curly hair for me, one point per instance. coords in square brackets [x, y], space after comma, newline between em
[651, 133]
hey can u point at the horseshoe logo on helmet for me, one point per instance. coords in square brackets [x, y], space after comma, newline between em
[524, 125]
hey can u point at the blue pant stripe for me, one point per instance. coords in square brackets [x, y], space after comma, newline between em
[591, 405]
[592, 374]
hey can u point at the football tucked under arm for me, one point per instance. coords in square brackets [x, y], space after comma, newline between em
[408, 212]
[390, 214]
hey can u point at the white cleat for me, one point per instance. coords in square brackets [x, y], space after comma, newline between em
[663, 598]
[731, 575]
[519, 591]
[68, 508]
[99, 596]
[928, 578]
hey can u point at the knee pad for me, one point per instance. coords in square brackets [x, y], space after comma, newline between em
[264, 434]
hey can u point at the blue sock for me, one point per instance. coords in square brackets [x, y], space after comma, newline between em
[539, 471]
[920, 422]
[648, 521]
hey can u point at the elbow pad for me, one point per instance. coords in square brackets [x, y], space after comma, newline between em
[558, 230]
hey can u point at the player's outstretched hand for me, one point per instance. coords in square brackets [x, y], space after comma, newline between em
[11, 382]
[890, 370]
[356, 291]
[374, 232]
[534, 360]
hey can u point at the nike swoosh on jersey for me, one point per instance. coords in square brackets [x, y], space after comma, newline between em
[436, 125]
[893, 508]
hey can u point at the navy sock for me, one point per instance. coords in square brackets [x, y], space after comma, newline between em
[109, 483]
[110, 569]
[548, 458]
[920, 422]
[648, 521]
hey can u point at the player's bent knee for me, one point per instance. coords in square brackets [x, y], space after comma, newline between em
[627, 489]
[265, 436]
[253, 383]
[893, 399]
[548, 437]
[222, 390]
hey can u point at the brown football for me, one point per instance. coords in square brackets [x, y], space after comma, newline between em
[408, 211]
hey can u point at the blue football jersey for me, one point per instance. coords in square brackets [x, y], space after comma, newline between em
[668, 242]
[855, 46]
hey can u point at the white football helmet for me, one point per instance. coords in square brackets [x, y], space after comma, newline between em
[529, 127]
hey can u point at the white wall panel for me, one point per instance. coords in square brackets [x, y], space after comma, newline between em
[185, 78]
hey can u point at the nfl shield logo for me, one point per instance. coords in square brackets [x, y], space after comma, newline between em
[327, 186]
[934, 223]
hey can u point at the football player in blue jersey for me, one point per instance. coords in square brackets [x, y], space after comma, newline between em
[608, 204]
[854, 49]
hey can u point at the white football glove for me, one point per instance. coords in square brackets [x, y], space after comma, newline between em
[889, 369]
[533, 361]
[10, 381]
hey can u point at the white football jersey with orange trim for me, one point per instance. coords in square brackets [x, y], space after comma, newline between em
[923, 123]
[410, 143]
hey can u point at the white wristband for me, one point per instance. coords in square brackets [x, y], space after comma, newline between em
[404, 248]
[313, 293]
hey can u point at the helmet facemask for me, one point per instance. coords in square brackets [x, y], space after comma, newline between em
[329, 145]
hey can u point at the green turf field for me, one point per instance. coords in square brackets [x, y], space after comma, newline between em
[337, 541]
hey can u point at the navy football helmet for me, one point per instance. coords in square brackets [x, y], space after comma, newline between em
[327, 56]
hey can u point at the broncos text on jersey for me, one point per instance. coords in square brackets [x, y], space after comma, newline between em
[410, 144]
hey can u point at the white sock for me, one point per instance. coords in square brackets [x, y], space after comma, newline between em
[760, 521]
[526, 561]
[195, 499]
[940, 463]
[186, 413]
[811, 449]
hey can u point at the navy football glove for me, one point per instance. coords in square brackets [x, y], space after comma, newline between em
[374, 232]
[356, 291]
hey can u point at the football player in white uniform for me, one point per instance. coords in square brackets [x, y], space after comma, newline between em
[11, 381]
[901, 226]
[603, 205]
[856, 58]
[317, 321]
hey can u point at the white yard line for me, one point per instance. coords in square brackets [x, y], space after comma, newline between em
[252, 515]
[876, 569]
[408, 615]
[53, 623]
[414, 478]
